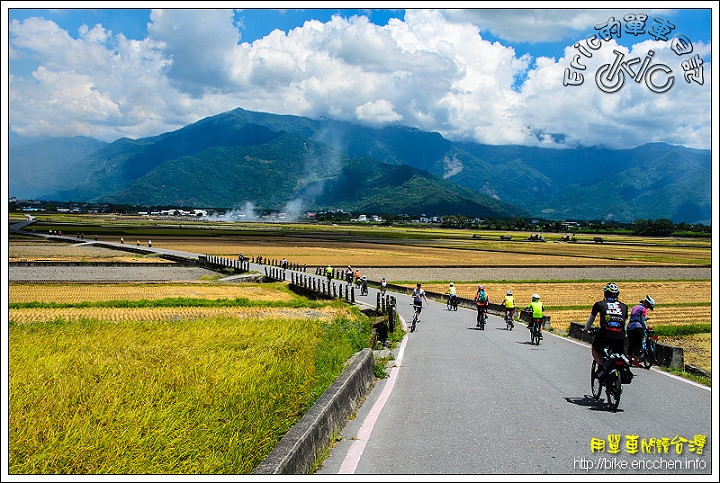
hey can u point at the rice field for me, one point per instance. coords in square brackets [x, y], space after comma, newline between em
[95, 292]
[179, 397]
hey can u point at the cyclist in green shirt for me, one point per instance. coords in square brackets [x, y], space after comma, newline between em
[537, 312]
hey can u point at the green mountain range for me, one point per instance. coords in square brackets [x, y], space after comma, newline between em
[292, 163]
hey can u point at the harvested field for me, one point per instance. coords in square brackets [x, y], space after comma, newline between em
[84, 292]
[166, 314]
[41, 250]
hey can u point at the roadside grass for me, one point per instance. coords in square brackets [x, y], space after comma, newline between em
[207, 396]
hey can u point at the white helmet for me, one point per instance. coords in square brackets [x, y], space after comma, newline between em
[650, 301]
[509, 292]
[451, 284]
[535, 296]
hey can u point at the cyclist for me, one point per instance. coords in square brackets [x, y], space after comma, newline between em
[383, 286]
[537, 312]
[509, 303]
[349, 274]
[329, 273]
[364, 287]
[637, 324]
[613, 315]
[418, 294]
[357, 277]
[452, 293]
[481, 300]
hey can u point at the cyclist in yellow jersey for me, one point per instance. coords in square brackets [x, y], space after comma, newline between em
[537, 312]
[509, 303]
[452, 293]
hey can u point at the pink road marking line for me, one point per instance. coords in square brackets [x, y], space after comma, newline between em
[356, 450]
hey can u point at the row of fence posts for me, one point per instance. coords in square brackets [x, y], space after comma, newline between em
[385, 304]
[323, 285]
[213, 260]
[279, 263]
[243, 264]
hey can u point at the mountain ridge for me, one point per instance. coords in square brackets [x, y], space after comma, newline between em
[306, 158]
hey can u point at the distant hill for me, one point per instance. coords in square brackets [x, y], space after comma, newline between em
[273, 160]
[36, 167]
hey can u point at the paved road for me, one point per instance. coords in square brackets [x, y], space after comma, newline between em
[464, 401]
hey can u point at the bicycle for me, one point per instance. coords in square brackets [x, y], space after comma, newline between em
[416, 317]
[452, 303]
[647, 351]
[509, 319]
[534, 332]
[364, 289]
[617, 372]
[481, 318]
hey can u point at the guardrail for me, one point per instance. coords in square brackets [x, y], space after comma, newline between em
[666, 355]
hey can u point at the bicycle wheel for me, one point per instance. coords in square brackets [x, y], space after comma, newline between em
[455, 305]
[449, 305]
[648, 357]
[534, 334]
[595, 384]
[413, 325]
[613, 390]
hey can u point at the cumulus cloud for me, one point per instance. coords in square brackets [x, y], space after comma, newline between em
[432, 69]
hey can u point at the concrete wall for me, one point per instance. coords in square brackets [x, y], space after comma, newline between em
[667, 356]
[304, 443]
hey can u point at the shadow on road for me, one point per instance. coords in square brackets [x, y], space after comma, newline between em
[591, 403]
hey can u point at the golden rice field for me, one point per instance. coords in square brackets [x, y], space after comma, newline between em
[360, 248]
[167, 314]
[463, 254]
[96, 292]
[38, 250]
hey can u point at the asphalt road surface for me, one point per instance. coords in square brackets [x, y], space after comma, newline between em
[462, 401]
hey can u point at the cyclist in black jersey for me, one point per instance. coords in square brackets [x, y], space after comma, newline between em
[613, 316]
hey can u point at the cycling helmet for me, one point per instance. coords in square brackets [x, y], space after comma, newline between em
[535, 296]
[649, 301]
[364, 277]
[481, 287]
[611, 290]
[509, 292]
[451, 284]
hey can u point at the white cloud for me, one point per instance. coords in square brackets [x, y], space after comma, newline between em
[433, 70]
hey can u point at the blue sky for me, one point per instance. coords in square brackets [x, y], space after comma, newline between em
[495, 76]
